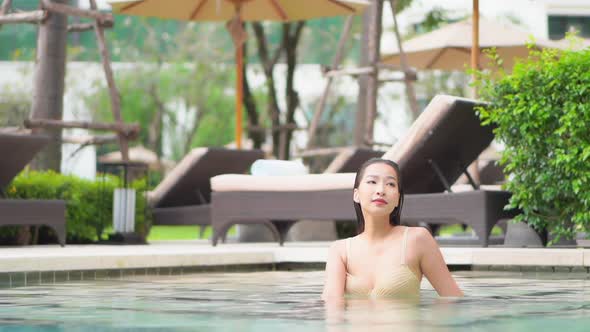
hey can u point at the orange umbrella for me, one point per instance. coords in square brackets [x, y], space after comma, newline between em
[235, 12]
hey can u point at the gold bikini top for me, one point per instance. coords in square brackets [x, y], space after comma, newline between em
[392, 281]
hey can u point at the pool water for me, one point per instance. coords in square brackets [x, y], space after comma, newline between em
[289, 301]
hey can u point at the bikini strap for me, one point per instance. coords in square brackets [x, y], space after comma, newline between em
[404, 242]
[347, 242]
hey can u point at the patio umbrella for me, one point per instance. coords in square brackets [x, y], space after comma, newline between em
[137, 154]
[235, 12]
[450, 47]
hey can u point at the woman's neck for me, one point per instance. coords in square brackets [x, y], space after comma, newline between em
[377, 228]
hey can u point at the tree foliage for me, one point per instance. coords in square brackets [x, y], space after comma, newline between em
[541, 113]
[15, 104]
[181, 104]
[89, 210]
[175, 90]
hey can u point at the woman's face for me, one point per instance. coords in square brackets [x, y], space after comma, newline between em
[378, 191]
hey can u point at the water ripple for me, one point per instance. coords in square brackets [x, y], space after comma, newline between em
[289, 301]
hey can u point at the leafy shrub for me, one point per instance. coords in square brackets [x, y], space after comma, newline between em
[89, 204]
[541, 112]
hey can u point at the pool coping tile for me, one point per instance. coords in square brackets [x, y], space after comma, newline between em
[586, 257]
[528, 257]
[83, 262]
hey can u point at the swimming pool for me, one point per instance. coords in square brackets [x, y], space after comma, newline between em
[289, 301]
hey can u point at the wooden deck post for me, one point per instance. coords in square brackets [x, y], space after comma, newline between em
[115, 97]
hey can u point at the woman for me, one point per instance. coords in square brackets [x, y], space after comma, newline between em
[385, 259]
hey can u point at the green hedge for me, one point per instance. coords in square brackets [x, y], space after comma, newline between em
[541, 112]
[89, 204]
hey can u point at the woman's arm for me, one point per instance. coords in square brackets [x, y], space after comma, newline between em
[335, 273]
[433, 265]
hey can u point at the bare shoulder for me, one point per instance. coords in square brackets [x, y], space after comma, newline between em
[338, 247]
[421, 233]
[422, 238]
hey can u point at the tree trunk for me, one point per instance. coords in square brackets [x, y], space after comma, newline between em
[368, 83]
[257, 137]
[268, 64]
[291, 34]
[155, 128]
[190, 135]
[49, 81]
[410, 91]
[361, 115]
[273, 111]
[372, 79]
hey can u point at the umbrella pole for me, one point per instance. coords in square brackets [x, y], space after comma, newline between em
[239, 95]
[235, 28]
[473, 169]
[475, 37]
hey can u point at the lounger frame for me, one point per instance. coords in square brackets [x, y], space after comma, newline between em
[17, 151]
[183, 197]
[35, 212]
[188, 203]
[279, 211]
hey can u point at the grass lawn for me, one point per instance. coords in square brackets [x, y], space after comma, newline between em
[456, 229]
[163, 233]
[160, 233]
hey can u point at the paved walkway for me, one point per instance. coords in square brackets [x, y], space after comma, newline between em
[202, 254]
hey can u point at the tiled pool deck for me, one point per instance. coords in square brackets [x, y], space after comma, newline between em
[41, 264]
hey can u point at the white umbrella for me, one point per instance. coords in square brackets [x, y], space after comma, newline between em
[137, 154]
[449, 48]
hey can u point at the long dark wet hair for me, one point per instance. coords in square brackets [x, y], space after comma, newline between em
[395, 216]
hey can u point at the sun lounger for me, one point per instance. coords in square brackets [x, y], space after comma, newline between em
[437, 149]
[350, 159]
[347, 160]
[17, 151]
[183, 197]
